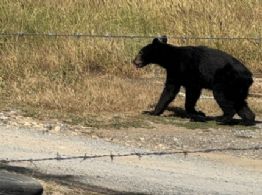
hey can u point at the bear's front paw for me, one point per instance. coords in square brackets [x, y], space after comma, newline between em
[198, 118]
[201, 113]
[225, 120]
[149, 113]
[196, 113]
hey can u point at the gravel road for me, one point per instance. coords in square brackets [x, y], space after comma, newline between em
[176, 174]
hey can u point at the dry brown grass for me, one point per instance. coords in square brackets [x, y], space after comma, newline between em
[94, 76]
[147, 17]
[94, 94]
[101, 101]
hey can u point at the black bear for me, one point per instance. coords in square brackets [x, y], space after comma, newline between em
[195, 68]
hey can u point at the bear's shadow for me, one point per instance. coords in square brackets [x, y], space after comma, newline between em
[181, 113]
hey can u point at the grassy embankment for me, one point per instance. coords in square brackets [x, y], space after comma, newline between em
[71, 77]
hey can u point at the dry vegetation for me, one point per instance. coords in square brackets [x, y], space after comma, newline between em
[86, 76]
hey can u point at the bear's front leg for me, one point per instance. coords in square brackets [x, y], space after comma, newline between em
[192, 95]
[168, 95]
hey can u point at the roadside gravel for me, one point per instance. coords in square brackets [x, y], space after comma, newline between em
[195, 174]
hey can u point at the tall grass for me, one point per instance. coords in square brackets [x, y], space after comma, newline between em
[203, 17]
[58, 72]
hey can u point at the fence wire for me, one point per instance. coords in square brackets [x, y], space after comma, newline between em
[59, 157]
[109, 36]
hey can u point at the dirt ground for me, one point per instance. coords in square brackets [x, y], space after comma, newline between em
[165, 134]
[170, 137]
[162, 133]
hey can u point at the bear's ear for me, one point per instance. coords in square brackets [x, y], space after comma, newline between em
[162, 39]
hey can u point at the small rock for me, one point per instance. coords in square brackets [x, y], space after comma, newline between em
[177, 142]
[95, 137]
[12, 123]
[142, 139]
[27, 124]
[109, 139]
[57, 128]
[244, 134]
[48, 127]
[161, 146]
[2, 117]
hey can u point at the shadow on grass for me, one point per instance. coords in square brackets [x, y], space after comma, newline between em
[66, 180]
[181, 113]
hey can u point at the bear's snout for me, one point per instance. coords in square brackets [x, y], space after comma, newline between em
[138, 63]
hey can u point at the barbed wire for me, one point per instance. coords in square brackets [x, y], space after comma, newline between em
[60, 157]
[110, 36]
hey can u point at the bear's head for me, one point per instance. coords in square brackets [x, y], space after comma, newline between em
[149, 54]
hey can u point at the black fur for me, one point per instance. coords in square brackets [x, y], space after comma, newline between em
[196, 68]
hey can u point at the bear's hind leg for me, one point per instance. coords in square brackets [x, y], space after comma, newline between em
[245, 113]
[227, 107]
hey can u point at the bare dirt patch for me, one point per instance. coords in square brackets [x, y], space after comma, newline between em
[163, 133]
[149, 174]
